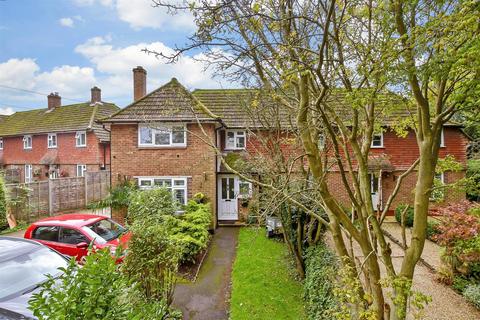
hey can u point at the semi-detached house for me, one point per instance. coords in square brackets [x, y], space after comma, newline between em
[164, 138]
[57, 141]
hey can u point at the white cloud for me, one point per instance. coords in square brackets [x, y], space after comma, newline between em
[66, 22]
[117, 64]
[6, 111]
[142, 14]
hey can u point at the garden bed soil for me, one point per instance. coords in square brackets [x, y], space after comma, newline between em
[189, 270]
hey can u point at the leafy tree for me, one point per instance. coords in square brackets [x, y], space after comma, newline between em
[304, 55]
[3, 204]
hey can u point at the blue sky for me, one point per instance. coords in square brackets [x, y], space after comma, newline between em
[68, 46]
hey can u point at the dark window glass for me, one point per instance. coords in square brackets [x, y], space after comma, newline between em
[71, 236]
[224, 188]
[231, 190]
[46, 233]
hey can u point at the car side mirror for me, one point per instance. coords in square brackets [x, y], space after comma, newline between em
[82, 245]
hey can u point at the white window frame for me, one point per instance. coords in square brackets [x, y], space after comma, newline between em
[52, 137]
[1, 143]
[26, 140]
[83, 168]
[163, 128]
[29, 170]
[249, 194]
[381, 139]
[321, 141]
[172, 186]
[442, 139]
[78, 139]
[236, 135]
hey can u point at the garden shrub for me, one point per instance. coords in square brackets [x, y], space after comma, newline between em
[152, 205]
[460, 283]
[432, 230]
[118, 198]
[408, 215]
[472, 294]
[3, 204]
[320, 266]
[190, 230]
[152, 260]
[97, 290]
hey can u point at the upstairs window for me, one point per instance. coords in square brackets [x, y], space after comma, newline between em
[27, 142]
[81, 170]
[377, 140]
[162, 136]
[442, 139]
[235, 140]
[52, 140]
[178, 186]
[1, 143]
[245, 189]
[81, 139]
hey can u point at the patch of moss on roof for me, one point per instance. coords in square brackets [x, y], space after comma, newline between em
[72, 117]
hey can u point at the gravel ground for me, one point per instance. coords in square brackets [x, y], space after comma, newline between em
[446, 304]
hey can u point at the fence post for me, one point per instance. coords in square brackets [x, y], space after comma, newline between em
[50, 197]
[86, 189]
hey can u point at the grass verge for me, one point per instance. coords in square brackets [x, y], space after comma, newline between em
[262, 285]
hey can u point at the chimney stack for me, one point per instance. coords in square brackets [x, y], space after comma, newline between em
[139, 83]
[54, 100]
[96, 95]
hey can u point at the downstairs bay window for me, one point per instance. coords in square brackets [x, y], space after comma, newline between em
[174, 135]
[177, 185]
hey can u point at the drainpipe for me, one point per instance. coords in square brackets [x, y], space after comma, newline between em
[110, 169]
[222, 126]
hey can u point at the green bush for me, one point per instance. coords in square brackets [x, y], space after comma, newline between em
[190, 230]
[3, 204]
[408, 215]
[151, 205]
[118, 198]
[472, 294]
[460, 283]
[432, 230]
[320, 266]
[98, 290]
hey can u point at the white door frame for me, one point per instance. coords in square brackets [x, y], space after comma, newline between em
[377, 195]
[227, 202]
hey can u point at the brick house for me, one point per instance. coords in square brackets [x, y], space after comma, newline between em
[58, 141]
[165, 138]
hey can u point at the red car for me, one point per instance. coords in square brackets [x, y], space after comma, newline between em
[71, 234]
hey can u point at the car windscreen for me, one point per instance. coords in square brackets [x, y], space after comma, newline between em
[104, 230]
[26, 270]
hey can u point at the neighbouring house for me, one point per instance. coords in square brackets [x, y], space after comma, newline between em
[165, 138]
[57, 141]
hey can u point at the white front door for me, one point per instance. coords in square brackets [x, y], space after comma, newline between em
[227, 197]
[375, 191]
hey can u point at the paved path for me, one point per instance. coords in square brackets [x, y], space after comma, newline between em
[207, 298]
[446, 304]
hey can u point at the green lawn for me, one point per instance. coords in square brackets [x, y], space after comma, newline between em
[262, 285]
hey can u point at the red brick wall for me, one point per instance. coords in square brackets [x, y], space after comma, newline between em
[67, 155]
[196, 161]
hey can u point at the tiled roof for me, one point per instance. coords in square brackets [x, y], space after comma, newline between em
[238, 108]
[170, 102]
[81, 116]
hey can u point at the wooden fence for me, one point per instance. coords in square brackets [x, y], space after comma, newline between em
[43, 198]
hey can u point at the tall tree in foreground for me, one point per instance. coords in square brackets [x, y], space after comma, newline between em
[306, 56]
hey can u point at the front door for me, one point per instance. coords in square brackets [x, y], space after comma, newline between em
[375, 191]
[227, 197]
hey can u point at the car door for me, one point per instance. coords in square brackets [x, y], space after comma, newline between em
[48, 235]
[70, 239]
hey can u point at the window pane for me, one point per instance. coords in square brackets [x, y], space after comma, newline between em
[162, 182]
[178, 182]
[145, 135]
[240, 142]
[224, 188]
[178, 135]
[71, 236]
[145, 183]
[179, 195]
[244, 188]
[162, 138]
[231, 190]
[377, 140]
[230, 139]
[46, 233]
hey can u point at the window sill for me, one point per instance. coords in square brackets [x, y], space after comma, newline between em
[81, 146]
[237, 149]
[51, 147]
[377, 147]
[161, 147]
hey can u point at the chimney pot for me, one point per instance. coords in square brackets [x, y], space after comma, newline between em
[54, 100]
[139, 83]
[96, 95]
